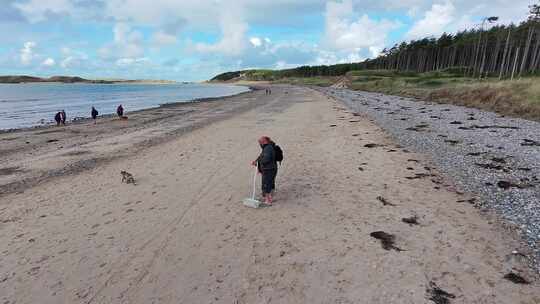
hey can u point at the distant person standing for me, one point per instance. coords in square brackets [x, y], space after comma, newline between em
[58, 118]
[120, 111]
[63, 115]
[94, 113]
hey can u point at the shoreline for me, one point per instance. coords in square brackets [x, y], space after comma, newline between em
[81, 145]
[77, 120]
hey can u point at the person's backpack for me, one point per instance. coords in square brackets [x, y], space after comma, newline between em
[279, 153]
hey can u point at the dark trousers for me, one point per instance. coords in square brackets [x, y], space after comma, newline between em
[268, 180]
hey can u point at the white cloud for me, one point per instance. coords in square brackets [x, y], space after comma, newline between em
[201, 13]
[343, 33]
[233, 41]
[37, 10]
[333, 57]
[280, 65]
[255, 41]
[161, 38]
[375, 51]
[65, 51]
[49, 62]
[434, 22]
[263, 53]
[127, 43]
[72, 58]
[67, 62]
[131, 61]
[27, 52]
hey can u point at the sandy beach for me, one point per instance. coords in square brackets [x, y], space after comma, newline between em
[72, 232]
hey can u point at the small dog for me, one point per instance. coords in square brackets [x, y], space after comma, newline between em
[127, 177]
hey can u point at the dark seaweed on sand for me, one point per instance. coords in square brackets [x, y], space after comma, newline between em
[384, 201]
[437, 295]
[530, 143]
[387, 240]
[515, 278]
[413, 220]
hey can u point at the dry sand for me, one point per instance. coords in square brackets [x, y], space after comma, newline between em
[181, 235]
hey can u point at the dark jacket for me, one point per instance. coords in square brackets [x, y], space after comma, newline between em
[120, 111]
[58, 117]
[267, 159]
[94, 113]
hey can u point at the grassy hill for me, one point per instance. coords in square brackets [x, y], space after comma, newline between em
[31, 79]
[74, 79]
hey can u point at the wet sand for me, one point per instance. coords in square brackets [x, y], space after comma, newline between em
[181, 234]
[34, 155]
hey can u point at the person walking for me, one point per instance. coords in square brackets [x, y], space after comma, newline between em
[58, 118]
[268, 167]
[94, 114]
[120, 111]
[63, 116]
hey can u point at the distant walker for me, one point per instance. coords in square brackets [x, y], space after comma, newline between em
[58, 118]
[120, 111]
[94, 114]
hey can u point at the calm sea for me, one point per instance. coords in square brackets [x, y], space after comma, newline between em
[27, 105]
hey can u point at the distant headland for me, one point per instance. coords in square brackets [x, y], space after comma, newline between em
[72, 79]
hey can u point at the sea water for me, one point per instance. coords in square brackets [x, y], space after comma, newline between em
[27, 105]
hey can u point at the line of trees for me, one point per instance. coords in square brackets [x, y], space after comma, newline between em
[504, 51]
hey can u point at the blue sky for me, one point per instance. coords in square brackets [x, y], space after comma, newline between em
[194, 40]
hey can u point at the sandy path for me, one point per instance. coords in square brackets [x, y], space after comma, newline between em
[182, 236]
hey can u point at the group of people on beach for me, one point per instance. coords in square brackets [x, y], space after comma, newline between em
[266, 162]
[60, 117]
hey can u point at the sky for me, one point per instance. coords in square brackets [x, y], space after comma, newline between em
[193, 40]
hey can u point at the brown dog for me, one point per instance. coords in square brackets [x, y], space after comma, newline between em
[127, 177]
